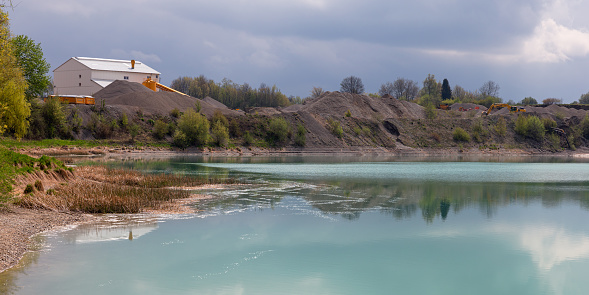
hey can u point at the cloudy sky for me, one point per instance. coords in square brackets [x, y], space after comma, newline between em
[537, 48]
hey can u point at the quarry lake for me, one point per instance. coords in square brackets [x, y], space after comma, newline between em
[329, 225]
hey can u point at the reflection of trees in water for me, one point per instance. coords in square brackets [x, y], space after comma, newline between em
[401, 199]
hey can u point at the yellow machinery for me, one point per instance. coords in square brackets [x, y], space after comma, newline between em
[512, 109]
[153, 85]
[73, 99]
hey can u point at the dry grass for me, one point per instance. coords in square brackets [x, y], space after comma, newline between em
[102, 190]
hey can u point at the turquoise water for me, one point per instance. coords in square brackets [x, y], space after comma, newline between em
[304, 227]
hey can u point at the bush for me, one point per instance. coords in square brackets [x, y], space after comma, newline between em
[39, 185]
[248, 139]
[124, 121]
[195, 127]
[530, 126]
[301, 135]
[175, 113]
[461, 135]
[335, 128]
[180, 139]
[479, 131]
[348, 113]
[160, 129]
[29, 189]
[585, 127]
[430, 111]
[134, 130]
[278, 131]
[220, 133]
[219, 117]
[501, 127]
[548, 123]
[535, 128]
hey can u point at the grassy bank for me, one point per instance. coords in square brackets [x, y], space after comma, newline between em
[13, 164]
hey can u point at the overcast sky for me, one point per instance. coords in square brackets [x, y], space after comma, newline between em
[537, 48]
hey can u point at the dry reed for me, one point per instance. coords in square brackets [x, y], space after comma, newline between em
[103, 190]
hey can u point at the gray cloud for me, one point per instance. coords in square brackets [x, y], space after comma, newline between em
[531, 48]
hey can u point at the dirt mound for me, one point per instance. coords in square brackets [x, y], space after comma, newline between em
[468, 106]
[131, 97]
[214, 103]
[337, 104]
[120, 87]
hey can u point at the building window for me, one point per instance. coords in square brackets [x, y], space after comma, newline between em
[80, 76]
[79, 84]
[157, 76]
[126, 77]
[148, 77]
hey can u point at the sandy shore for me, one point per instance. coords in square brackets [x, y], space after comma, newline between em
[18, 225]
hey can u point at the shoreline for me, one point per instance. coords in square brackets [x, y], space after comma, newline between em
[19, 225]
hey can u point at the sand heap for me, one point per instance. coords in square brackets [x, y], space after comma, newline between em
[336, 104]
[132, 96]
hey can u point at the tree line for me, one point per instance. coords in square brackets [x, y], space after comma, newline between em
[233, 95]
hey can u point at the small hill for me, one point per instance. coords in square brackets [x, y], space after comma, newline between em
[134, 96]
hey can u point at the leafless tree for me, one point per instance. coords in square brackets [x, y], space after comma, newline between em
[490, 88]
[386, 88]
[352, 84]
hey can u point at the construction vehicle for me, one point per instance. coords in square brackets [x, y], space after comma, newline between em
[445, 106]
[73, 99]
[153, 85]
[512, 109]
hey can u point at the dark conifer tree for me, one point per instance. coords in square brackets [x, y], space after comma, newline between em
[446, 91]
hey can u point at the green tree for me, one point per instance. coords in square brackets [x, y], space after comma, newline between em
[29, 57]
[220, 133]
[431, 93]
[446, 90]
[12, 86]
[528, 101]
[584, 98]
[301, 135]
[195, 127]
[278, 132]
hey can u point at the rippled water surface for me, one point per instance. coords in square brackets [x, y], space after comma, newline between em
[315, 226]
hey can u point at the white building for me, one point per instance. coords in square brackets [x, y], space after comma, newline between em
[86, 76]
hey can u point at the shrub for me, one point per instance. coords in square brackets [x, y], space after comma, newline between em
[521, 125]
[278, 131]
[535, 128]
[29, 189]
[160, 129]
[430, 111]
[248, 139]
[134, 130]
[124, 121]
[39, 185]
[348, 114]
[195, 126]
[585, 127]
[479, 131]
[553, 142]
[301, 135]
[335, 128]
[501, 127]
[175, 113]
[220, 133]
[548, 123]
[219, 117]
[180, 139]
[461, 135]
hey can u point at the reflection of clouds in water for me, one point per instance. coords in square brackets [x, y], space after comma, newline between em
[112, 228]
[551, 246]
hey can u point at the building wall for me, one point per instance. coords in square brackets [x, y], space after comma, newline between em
[73, 78]
[127, 76]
